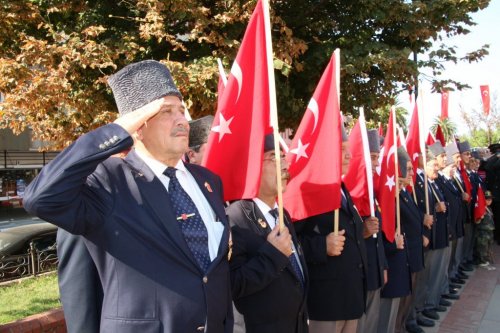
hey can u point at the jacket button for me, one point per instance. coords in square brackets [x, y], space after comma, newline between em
[360, 265]
[102, 146]
[205, 279]
[200, 328]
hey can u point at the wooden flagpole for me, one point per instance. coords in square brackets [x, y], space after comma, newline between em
[424, 152]
[273, 108]
[396, 171]
[337, 82]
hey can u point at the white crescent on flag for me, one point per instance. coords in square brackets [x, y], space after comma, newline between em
[314, 108]
[391, 152]
[238, 75]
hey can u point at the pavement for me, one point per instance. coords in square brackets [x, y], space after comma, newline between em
[478, 309]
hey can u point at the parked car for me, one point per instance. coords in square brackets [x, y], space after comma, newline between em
[17, 240]
[27, 250]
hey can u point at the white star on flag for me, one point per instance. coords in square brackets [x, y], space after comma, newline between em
[223, 127]
[300, 151]
[390, 182]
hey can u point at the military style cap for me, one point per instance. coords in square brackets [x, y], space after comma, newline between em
[463, 146]
[199, 130]
[268, 142]
[436, 149]
[141, 83]
[403, 159]
[373, 140]
[451, 149]
[488, 195]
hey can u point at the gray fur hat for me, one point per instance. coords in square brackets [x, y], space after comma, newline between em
[199, 130]
[464, 146]
[140, 83]
[434, 151]
[403, 159]
[373, 140]
[451, 149]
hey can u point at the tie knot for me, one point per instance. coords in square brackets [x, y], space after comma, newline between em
[274, 213]
[170, 172]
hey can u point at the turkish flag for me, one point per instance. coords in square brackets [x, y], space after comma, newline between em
[314, 157]
[236, 143]
[359, 178]
[440, 135]
[386, 194]
[465, 178]
[485, 95]
[380, 129]
[413, 140]
[480, 207]
[430, 139]
[444, 104]
[222, 79]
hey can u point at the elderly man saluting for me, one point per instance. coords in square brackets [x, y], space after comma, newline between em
[155, 227]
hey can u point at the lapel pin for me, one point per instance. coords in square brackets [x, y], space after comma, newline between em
[184, 217]
[262, 223]
[207, 186]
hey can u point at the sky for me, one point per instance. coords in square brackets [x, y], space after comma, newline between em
[487, 71]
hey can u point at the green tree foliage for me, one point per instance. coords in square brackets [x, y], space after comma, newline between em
[484, 129]
[448, 127]
[55, 55]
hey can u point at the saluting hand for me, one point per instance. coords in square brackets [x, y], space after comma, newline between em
[132, 121]
[281, 240]
[335, 244]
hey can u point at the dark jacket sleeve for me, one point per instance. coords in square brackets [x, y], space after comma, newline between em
[251, 272]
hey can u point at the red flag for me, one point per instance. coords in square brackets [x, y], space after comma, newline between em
[359, 174]
[386, 193]
[480, 207]
[465, 178]
[243, 116]
[444, 104]
[380, 129]
[222, 80]
[315, 153]
[485, 95]
[430, 139]
[413, 140]
[440, 135]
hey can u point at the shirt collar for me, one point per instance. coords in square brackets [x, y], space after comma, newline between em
[158, 167]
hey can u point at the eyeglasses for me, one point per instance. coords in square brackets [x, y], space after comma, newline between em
[273, 158]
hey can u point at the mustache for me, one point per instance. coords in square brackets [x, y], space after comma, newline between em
[180, 130]
[285, 175]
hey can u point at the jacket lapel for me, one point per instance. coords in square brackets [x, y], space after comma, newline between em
[156, 197]
[215, 201]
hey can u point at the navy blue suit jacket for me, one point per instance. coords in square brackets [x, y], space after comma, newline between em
[151, 281]
[337, 283]
[265, 288]
[79, 284]
[455, 208]
[412, 225]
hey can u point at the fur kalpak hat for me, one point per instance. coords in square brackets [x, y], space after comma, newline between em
[199, 130]
[373, 140]
[434, 151]
[141, 83]
[463, 146]
[403, 159]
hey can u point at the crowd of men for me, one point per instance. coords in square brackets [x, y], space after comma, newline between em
[147, 243]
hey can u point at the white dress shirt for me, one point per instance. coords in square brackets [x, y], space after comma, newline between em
[189, 184]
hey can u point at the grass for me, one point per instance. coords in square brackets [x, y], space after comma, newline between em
[28, 297]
